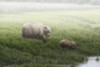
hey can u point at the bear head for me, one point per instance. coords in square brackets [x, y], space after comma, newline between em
[47, 31]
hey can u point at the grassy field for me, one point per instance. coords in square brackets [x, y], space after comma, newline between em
[82, 26]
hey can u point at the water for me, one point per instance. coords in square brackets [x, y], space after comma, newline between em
[90, 62]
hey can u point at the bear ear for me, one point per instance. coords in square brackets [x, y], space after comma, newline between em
[74, 43]
[45, 27]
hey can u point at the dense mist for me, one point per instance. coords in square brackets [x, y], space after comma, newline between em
[95, 2]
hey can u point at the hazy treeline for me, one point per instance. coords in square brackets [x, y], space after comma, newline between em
[96, 2]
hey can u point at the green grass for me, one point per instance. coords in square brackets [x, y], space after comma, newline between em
[79, 26]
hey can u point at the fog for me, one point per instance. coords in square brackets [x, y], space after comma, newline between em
[37, 6]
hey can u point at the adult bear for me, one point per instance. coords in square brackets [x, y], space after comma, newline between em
[36, 30]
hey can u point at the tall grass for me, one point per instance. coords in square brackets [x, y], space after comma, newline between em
[73, 25]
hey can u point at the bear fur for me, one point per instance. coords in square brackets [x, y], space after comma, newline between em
[66, 43]
[37, 30]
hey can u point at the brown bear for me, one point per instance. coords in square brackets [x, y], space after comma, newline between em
[36, 30]
[66, 43]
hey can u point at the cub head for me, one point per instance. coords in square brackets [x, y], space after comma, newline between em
[73, 44]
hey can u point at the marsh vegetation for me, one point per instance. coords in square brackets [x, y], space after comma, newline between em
[81, 26]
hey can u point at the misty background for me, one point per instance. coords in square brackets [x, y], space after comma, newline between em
[95, 2]
[40, 5]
